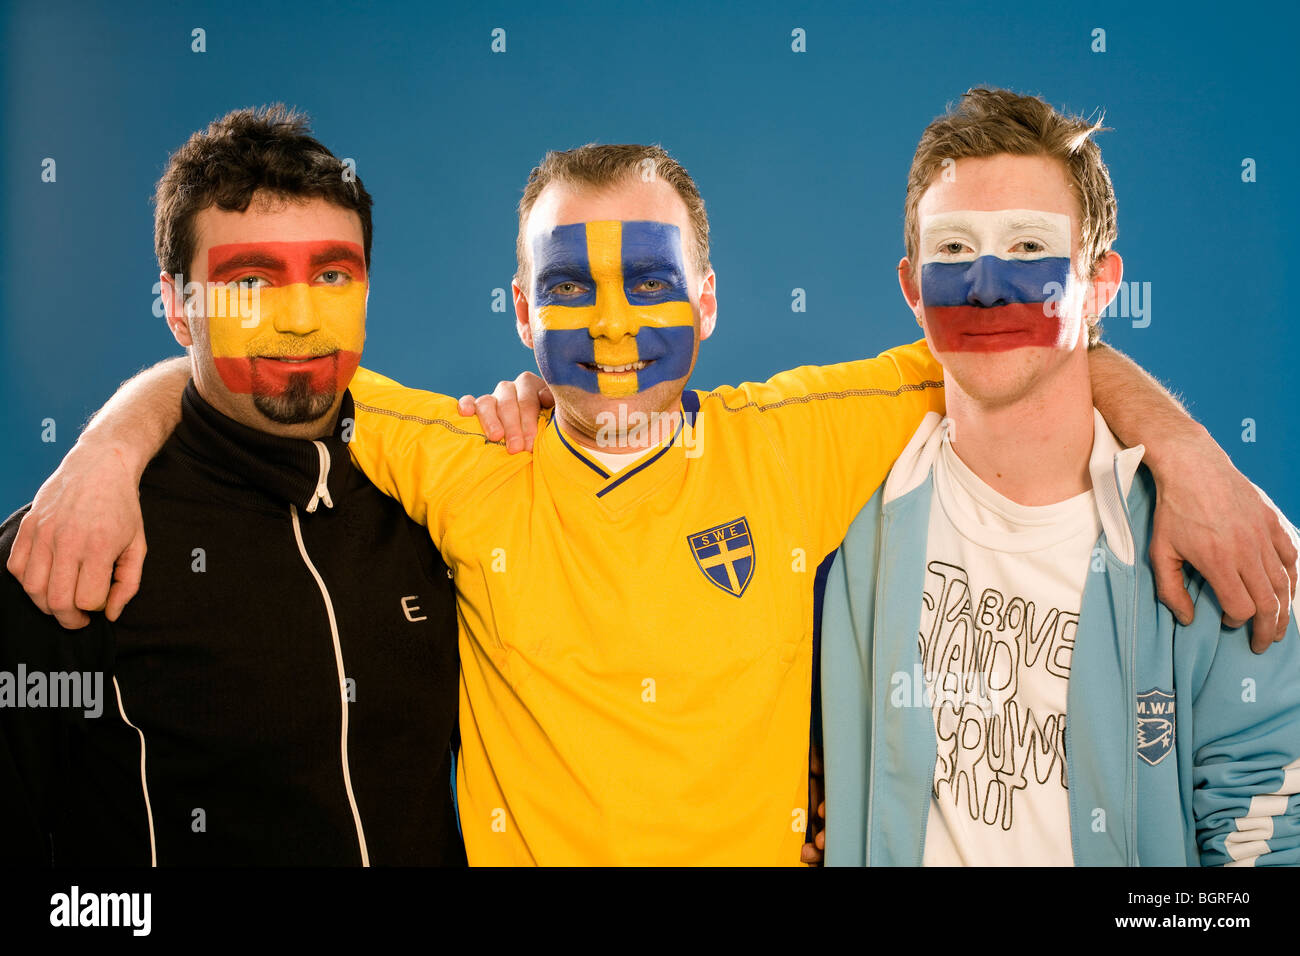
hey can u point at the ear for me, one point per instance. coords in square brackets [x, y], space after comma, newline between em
[174, 306]
[708, 305]
[911, 290]
[1105, 283]
[522, 324]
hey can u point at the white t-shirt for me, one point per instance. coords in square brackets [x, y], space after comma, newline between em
[1000, 612]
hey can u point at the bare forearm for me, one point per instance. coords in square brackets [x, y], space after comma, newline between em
[1207, 514]
[138, 419]
[1139, 410]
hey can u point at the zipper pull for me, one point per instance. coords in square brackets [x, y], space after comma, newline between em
[322, 492]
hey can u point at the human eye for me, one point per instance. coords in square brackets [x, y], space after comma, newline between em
[1029, 247]
[954, 247]
[651, 285]
[252, 282]
[334, 277]
[567, 287]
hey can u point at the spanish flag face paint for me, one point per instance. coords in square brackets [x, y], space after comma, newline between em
[613, 314]
[996, 280]
[286, 317]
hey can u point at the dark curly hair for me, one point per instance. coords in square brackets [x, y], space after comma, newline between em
[270, 148]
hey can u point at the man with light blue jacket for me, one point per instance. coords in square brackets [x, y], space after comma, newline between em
[1000, 683]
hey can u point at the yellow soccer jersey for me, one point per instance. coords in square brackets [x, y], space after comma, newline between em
[636, 649]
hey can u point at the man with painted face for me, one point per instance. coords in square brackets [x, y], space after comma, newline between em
[636, 594]
[282, 690]
[991, 634]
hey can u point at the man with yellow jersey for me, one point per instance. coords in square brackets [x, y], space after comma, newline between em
[639, 691]
[636, 594]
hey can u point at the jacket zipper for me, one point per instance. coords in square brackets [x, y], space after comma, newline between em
[322, 492]
[338, 653]
[1132, 726]
[875, 724]
[1131, 682]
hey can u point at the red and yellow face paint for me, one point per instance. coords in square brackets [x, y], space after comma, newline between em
[280, 310]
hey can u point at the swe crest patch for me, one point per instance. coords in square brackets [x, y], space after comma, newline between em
[1155, 725]
[725, 553]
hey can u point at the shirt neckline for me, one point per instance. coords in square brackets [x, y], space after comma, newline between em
[959, 492]
[648, 471]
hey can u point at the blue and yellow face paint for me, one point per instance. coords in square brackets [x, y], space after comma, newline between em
[613, 314]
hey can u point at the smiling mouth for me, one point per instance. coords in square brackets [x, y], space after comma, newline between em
[614, 369]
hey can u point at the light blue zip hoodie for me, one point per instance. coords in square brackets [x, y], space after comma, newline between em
[1182, 746]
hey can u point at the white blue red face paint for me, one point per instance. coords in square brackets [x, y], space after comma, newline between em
[614, 314]
[993, 280]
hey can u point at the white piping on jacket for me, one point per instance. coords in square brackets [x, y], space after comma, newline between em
[144, 780]
[342, 688]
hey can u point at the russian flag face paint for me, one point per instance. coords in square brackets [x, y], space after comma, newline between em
[612, 307]
[997, 280]
[285, 315]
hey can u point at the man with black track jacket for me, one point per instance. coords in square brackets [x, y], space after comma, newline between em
[282, 689]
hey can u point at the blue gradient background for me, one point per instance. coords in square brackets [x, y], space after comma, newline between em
[802, 159]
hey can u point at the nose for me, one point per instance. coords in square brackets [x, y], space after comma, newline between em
[615, 316]
[986, 287]
[299, 316]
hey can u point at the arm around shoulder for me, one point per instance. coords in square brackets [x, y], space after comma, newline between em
[81, 547]
[415, 446]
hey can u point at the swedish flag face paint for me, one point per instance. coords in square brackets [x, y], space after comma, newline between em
[614, 317]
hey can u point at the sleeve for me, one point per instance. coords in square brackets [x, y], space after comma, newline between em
[840, 428]
[416, 447]
[31, 738]
[1246, 758]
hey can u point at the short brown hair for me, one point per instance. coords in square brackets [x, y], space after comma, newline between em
[599, 166]
[270, 148]
[987, 122]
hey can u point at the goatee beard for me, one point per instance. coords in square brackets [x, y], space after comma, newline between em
[296, 404]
